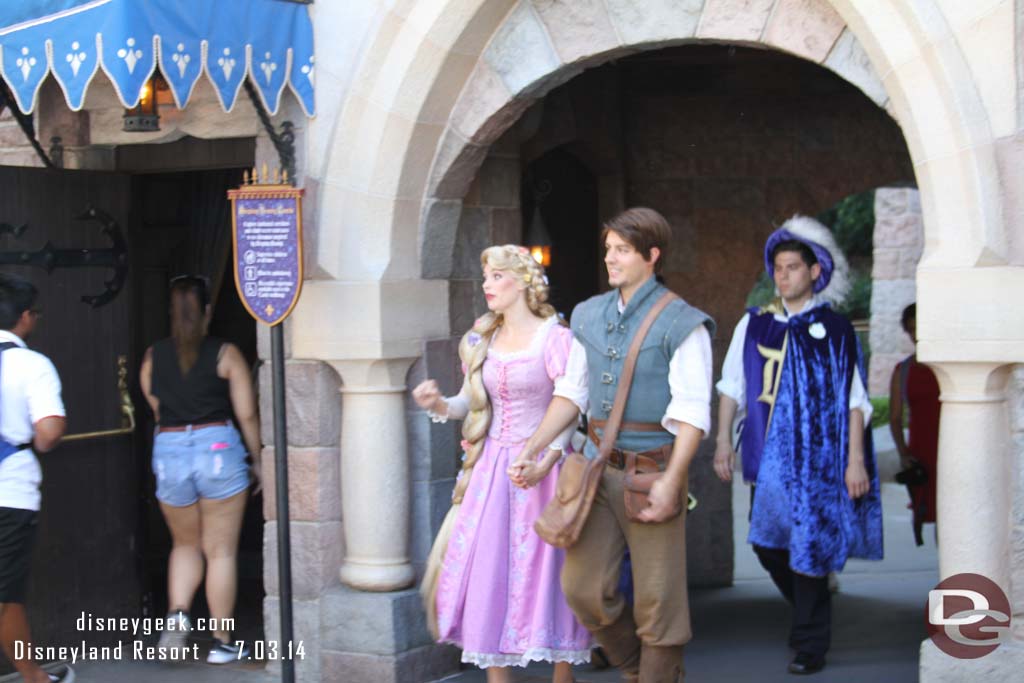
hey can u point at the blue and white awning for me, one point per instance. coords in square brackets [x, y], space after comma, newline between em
[270, 41]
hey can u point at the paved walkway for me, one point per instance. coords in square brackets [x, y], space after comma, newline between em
[739, 632]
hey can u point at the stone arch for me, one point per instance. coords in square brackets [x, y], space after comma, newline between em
[440, 83]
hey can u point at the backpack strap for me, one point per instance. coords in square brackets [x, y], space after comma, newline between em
[6, 447]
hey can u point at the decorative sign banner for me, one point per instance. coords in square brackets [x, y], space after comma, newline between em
[266, 223]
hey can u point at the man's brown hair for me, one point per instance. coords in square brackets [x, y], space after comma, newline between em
[643, 229]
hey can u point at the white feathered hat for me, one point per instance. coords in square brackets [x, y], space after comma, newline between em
[833, 285]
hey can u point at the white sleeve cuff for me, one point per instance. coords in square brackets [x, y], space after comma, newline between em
[458, 408]
[729, 387]
[693, 413]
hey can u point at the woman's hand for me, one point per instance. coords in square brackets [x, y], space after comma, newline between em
[428, 396]
[256, 477]
[527, 473]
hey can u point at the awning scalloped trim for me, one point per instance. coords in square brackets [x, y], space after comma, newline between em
[75, 57]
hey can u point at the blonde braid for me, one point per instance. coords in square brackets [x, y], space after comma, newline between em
[473, 352]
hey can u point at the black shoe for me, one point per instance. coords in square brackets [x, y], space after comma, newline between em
[598, 659]
[806, 663]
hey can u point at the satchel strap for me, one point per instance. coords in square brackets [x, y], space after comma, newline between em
[611, 427]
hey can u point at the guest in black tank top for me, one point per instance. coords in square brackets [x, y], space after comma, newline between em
[199, 388]
[194, 397]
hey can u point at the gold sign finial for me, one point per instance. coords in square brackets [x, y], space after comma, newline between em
[245, 177]
[264, 175]
[284, 177]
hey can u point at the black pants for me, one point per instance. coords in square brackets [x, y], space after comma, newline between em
[811, 631]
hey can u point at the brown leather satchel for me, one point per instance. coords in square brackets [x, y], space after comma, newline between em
[640, 473]
[562, 520]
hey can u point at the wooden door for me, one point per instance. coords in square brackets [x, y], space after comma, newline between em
[86, 554]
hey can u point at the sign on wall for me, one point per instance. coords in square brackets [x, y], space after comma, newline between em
[266, 221]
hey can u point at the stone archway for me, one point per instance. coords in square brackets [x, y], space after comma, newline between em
[440, 83]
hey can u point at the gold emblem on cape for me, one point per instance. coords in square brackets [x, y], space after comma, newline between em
[772, 363]
[772, 374]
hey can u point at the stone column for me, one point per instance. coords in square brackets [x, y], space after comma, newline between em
[898, 245]
[975, 489]
[375, 474]
[974, 483]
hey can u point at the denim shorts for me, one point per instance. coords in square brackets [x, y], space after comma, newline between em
[199, 463]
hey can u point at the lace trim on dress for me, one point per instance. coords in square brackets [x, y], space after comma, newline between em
[538, 340]
[538, 654]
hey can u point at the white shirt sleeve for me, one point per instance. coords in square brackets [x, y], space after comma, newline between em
[734, 383]
[43, 392]
[689, 379]
[859, 398]
[574, 384]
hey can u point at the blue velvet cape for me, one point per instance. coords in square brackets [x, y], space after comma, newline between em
[801, 504]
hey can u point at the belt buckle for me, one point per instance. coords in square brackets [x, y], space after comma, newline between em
[617, 459]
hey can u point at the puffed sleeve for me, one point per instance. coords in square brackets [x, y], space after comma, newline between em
[556, 351]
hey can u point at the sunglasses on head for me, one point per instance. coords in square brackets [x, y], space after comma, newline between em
[198, 279]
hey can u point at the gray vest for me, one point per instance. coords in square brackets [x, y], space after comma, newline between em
[606, 335]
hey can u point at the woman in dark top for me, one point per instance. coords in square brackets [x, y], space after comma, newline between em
[914, 389]
[194, 384]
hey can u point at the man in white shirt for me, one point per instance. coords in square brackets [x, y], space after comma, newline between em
[667, 412]
[793, 367]
[31, 421]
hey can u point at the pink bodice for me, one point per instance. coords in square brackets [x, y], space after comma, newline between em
[520, 383]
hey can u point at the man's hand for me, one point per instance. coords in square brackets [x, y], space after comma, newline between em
[857, 482]
[725, 460]
[664, 501]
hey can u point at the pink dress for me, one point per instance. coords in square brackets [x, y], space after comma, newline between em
[499, 597]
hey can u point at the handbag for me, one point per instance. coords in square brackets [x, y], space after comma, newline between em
[562, 520]
[914, 475]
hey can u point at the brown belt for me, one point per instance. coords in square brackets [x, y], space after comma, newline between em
[185, 428]
[649, 461]
[631, 426]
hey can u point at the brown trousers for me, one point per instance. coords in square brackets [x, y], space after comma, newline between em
[661, 610]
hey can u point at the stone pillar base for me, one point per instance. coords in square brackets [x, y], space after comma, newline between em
[376, 576]
[1004, 664]
[379, 638]
[420, 665]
